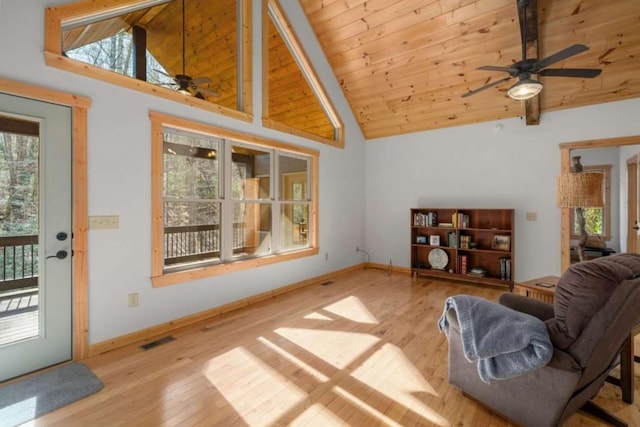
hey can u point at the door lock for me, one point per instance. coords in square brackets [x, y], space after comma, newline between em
[61, 254]
[62, 236]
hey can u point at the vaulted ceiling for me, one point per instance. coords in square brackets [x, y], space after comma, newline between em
[404, 64]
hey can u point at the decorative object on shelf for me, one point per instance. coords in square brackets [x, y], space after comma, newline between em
[579, 190]
[501, 243]
[438, 259]
[434, 240]
[421, 239]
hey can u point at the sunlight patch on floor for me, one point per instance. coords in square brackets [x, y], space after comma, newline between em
[317, 316]
[242, 378]
[19, 412]
[353, 309]
[365, 407]
[318, 415]
[388, 371]
[338, 348]
[291, 358]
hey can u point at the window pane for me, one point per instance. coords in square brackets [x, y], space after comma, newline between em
[251, 229]
[209, 35]
[191, 209]
[191, 233]
[295, 226]
[191, 166]
[250, 174]
[293, 178]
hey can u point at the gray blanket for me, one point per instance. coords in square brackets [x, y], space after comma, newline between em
[505, 342]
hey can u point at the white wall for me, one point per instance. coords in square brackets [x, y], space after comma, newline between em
[119, 184]
[483, 166]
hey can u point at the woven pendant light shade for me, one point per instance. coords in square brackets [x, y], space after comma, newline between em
[580, 190]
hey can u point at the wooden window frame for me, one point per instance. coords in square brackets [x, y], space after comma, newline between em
[306, 68]
[606, 170]
[56, 16]
[159, 277]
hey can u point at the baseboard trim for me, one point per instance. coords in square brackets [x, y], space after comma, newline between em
[153, 332]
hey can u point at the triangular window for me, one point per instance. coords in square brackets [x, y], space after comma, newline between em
[294, 100]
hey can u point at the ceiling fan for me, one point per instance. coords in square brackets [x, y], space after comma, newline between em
[526, 87]
[184, 83]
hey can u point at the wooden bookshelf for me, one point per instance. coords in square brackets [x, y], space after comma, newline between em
[485, 238]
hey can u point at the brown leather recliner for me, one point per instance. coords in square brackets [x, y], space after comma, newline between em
[597, 305]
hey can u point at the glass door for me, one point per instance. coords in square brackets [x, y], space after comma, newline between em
[35, 235]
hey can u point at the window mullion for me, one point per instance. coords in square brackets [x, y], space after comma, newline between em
[276, 214]
[227, 205]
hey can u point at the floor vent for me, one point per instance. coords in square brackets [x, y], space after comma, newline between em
[326, 283]
[157, 342]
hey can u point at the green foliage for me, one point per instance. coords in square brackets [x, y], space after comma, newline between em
[19, 184]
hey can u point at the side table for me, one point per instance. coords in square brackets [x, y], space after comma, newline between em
[542, 288]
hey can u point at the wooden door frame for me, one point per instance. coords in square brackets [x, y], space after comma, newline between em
[79, 106]
[565, 167]
[632, 202]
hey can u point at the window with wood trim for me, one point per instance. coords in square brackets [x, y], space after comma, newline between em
[225, 201]
[597, 220]
[294, 99]
[191, 51]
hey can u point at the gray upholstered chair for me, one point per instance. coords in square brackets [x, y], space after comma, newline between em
[595, 310]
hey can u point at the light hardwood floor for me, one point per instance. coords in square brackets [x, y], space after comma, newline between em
[363, 350]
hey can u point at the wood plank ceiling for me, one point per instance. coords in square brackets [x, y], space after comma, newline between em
[404, 64]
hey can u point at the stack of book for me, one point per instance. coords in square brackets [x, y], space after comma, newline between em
[477, 272]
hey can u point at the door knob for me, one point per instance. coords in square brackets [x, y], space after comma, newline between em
[61, 254]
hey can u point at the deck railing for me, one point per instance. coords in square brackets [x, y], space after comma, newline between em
[18, 262]
[193, 243]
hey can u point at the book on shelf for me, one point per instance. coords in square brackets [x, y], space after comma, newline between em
[465, 242]
[463, 220]
[451, 239]
[432, 219]
[505, 268]
[445, 224]
[462, 264]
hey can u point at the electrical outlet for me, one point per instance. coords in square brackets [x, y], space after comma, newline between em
[111, 222]
[532, 216]
[133, 300]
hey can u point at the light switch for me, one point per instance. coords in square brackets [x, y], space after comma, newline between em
[532, 216]
[104, 222]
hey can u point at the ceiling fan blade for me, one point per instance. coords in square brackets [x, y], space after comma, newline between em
[586, 73]
[493, 68]
[558, 56]
[199, 81]
[207, 92]
[487, 86]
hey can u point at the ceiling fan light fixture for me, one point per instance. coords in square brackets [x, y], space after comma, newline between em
[525, 89]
